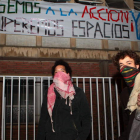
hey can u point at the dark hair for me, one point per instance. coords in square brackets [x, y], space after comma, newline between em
[123, 54]
[63, 63]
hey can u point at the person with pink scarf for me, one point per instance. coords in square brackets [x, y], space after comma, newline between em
[65, 112]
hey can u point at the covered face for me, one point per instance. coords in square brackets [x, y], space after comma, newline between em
[129, 70]
[60, 68]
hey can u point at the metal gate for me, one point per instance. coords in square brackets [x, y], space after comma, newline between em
[22, 97]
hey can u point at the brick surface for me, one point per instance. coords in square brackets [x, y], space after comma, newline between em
[91, 69]
[44, 68]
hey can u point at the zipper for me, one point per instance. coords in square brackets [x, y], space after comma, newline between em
[75, 126]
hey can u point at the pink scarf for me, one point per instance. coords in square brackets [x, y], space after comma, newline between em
[62, 83]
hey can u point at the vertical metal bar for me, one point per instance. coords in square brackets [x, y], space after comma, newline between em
[3, 111]
[91, 108]
[111, 110]
[97, 87]
[34, 107]
[48, 82]
[4, 116]
[117, 106]
[105, 120]
[19, 108]
[84, 85]
[41, 90]
[27, 108]
[77, 82]
[11, 120]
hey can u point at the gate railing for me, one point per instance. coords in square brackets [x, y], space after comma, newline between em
[22, 96]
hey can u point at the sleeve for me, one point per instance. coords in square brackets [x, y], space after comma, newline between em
[124, 124]
[43, 120]
[85, 115]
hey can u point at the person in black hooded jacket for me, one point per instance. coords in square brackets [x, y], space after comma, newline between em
[127, 62]
[71, 117]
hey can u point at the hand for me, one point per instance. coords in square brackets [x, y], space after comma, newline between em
[138, 100]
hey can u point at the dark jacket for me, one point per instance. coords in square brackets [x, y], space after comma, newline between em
[127, 117]
[67, 127]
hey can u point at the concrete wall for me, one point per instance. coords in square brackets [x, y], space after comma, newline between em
[38, 48]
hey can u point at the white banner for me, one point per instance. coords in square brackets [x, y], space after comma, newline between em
[68, 20]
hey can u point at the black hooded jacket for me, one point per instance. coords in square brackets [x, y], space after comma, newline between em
[67, 127]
